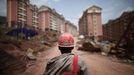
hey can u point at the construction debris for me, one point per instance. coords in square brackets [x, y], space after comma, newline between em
[9, 65]
[30, 53]
[88, 44]
[17, 54]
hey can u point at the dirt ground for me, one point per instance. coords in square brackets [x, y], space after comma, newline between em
[96, 63]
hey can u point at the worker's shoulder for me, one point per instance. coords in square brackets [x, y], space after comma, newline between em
[60, 57]
[80, 61]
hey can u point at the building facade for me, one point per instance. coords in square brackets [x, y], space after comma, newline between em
[71, 28]
[114, 29]
[90, 23]
[21, 13]
[49, 19]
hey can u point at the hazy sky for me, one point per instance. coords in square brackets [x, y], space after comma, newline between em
[73, 9]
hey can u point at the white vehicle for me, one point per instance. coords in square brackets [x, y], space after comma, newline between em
[81, 37]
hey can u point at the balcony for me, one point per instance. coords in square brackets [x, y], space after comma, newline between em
[21, 19]
[21, 13]
[22, 8]
[35, 17]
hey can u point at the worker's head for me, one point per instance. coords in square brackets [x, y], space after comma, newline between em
[66, 43]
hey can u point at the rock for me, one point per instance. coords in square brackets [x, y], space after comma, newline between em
[103, 53]
[30, 54]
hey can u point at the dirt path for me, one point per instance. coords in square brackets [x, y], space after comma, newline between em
[101, 65]
[96, 63]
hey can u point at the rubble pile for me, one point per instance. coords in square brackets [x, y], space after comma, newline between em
[18, 54]
[10, 65]
[88, 44]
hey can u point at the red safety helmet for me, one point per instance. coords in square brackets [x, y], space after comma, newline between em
[66, 40]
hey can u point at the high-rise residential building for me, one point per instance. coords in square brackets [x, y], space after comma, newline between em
[49, 19]
[114, 29]
[34, 16]
[70, 28]
[90, 23]
[21, 12]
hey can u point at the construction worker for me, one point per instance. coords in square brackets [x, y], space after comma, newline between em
[67, 63]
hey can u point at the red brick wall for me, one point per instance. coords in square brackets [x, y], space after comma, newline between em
[47, 19]
[43, 19]
[12, 10]
[29, 16]
[99, 25]
[90, 24]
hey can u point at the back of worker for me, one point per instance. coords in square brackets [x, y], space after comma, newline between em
[64, 63]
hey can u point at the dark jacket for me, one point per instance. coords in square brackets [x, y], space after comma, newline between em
[63, 63]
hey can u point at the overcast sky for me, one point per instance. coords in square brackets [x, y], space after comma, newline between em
[73, 9]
